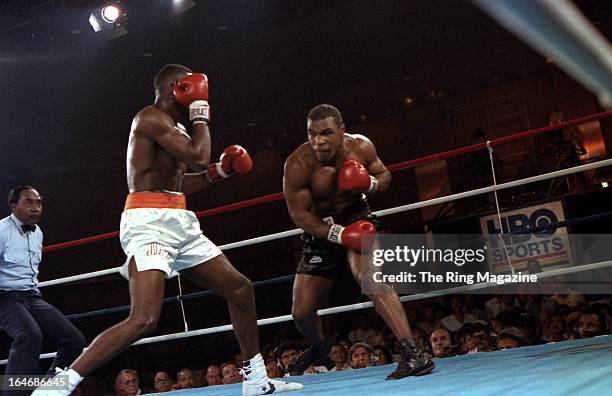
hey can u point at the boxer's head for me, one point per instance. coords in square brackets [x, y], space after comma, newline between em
[166, 77]
[164, 95]
[26, 204]
[325, 132]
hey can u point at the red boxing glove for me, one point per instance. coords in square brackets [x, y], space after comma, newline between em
[353, 176]
[350, 236]
[234, 159]
[192, 92]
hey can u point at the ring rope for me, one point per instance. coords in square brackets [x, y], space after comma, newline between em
[392, 168]
[287, 278]
[351, 307]
[384, 212]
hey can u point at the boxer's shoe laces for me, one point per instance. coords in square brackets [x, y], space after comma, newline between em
[257, 382]
[413, 362]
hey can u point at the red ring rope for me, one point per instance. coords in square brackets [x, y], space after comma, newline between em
[394, 167]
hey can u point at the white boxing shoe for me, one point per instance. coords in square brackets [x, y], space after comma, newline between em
[72, 377]
[256, 381]
[268, 387]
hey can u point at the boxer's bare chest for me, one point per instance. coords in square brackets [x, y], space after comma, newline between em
[326, 195]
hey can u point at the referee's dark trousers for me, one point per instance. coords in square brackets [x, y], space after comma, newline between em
[28, 319]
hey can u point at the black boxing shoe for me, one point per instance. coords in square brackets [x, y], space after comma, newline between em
[313, 354]
[413, 362]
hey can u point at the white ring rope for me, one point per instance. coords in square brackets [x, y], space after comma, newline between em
[384, 212]
[353, 307]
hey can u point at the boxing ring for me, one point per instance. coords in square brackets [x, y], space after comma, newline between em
[580, 366]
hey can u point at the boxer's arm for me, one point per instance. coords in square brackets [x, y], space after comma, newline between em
[299, 199]
[194, 182]
[373, 164]
[193, 151]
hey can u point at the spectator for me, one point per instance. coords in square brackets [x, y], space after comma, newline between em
[556, 329]
[440, 340]
[162, 382]
[382, 355]
[480, 334]
[592, 323]
[528, 324]
[286, 353]
[213, 375]
[184, 379]
[361, 355]
[230, 373]
[273, 370]
[363, 330]
[339, 355]
[199, 378]
[127, 383]
[509, 337]
[458, 318]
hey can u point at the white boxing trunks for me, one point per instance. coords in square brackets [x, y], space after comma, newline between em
[158, 231]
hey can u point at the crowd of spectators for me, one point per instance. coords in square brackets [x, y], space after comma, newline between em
[445, 327]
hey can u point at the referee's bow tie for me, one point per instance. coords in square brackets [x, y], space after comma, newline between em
[28, 227]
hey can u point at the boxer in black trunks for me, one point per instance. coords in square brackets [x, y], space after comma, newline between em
[324, 184]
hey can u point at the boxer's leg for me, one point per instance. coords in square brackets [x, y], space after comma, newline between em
[146, 295]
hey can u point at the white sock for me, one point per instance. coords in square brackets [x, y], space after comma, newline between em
[74, 378]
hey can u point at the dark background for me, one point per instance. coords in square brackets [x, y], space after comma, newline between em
[68, 97]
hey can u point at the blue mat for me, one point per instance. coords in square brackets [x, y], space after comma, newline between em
[581, 367]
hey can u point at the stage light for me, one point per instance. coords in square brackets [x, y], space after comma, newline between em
[111, 13]
[109, 19]
[178, 7]
[604, 184]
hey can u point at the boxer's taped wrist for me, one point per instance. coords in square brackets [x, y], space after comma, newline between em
[373, 184]
[199, 112]
[220, 171]
[334, 234]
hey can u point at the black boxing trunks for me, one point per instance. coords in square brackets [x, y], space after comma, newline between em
[323, 258]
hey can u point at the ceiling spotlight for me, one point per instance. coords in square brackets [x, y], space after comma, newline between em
[180, 6]
[109, 19]
[111, 13]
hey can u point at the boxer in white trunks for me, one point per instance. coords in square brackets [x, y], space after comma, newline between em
[161, 238]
